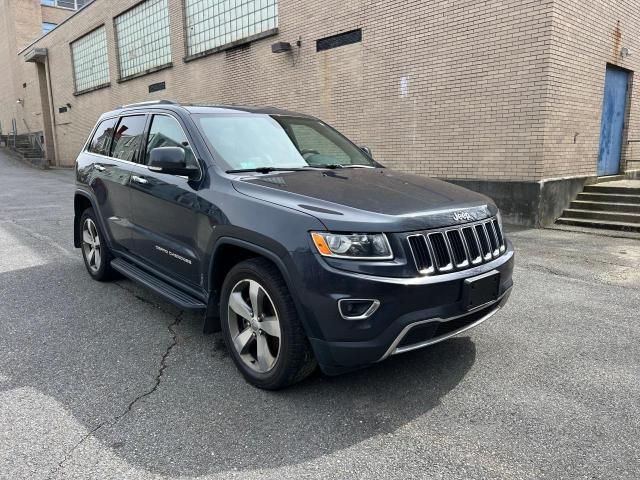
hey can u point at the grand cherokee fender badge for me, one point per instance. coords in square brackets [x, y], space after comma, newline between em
[173, 254]
[462, 216]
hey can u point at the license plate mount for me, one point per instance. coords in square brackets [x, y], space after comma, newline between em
[481, 290]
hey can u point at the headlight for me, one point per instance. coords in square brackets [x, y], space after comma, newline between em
[356, 246]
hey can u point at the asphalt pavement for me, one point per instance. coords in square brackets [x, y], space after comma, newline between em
[108, 381]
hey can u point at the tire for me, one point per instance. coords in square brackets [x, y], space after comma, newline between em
[95, 252]
[265, 359]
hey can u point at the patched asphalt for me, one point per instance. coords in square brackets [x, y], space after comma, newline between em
[106, 380]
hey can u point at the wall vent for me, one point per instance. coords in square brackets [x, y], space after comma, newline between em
[335, 41]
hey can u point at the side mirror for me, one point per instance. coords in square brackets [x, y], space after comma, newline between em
[366, 150]
[170, 160]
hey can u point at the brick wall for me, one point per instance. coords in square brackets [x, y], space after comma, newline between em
[587, 36]
[490, 90]
[438, 89]
[21, 24]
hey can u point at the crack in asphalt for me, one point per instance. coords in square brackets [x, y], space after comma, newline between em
[163, 366]
[117, 418]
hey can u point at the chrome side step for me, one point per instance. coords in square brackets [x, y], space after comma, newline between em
[179, 298]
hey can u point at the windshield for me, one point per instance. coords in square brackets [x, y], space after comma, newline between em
[246, 141]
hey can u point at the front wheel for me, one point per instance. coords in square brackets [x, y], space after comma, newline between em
[261, 327]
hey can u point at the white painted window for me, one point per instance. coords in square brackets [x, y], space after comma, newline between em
[71, 4]
[214, 23]
[143, 39]
[90, 60]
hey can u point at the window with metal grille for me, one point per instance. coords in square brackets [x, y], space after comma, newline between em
[212, 24]
[71, 4]
[143, 40]
[90, 61]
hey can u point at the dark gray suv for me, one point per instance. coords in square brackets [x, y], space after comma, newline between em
[295, 242]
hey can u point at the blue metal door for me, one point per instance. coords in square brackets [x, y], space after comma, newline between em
[614, 108]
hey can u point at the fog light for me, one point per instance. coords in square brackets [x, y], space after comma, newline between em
[357, 308]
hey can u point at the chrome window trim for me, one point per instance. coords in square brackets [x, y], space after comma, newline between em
[394, 350]
[118, 117]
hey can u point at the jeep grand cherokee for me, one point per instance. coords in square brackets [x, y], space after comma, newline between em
[289, 238]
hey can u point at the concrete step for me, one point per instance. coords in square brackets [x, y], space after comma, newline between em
[609, 198]
[604, 216]
[605, 206]
[610, 178]
[607, 225]
[603, 188]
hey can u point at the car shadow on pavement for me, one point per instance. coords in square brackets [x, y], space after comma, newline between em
[97, 348]
[217, 422]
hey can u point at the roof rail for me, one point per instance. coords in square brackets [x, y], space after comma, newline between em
[150, 102]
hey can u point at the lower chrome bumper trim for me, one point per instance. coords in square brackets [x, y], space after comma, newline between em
[394, 349]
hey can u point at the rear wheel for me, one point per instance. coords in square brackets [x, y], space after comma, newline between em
[261, 327]
[96, 254]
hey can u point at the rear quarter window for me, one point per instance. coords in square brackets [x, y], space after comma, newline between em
[101, 140]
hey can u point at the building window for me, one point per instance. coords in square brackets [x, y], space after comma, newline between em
[70, 4]
[47, 26]
[143, 40]
[90, 60]
[214, 23]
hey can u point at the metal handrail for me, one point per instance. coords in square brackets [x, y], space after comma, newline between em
[34, 138]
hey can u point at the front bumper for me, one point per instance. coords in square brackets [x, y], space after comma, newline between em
[413, 312]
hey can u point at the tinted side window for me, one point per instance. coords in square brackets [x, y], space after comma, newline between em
[128, 138]
[166, 132]
[102, 138]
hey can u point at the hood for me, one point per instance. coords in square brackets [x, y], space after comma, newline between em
[360, 199]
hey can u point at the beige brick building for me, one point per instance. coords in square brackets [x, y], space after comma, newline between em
[504, 96]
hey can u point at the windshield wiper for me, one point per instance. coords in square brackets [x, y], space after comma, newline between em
[266, 170]
[331, 166]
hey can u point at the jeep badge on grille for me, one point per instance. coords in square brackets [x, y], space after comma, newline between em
[462, 216]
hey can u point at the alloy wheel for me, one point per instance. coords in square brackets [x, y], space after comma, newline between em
[91, 245]
[254, 325]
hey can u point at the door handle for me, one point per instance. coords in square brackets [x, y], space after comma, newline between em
[138, 179]
[99, 167]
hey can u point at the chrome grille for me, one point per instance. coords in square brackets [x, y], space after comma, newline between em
[457, 248]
